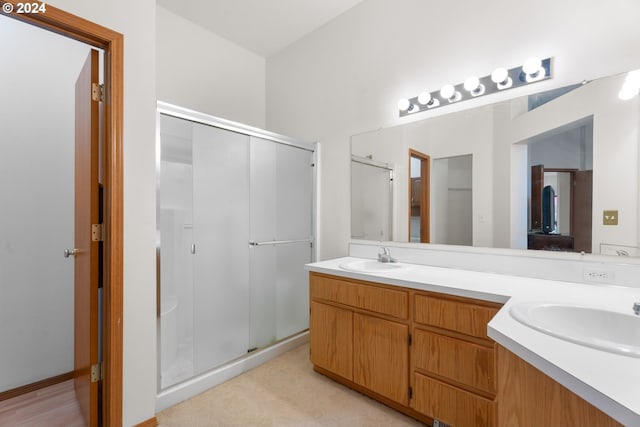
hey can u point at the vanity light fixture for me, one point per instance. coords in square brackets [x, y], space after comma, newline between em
[533, 70]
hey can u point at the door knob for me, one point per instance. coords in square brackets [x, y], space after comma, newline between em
[70, 252]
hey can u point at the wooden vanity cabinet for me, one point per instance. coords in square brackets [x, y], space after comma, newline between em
[428, 355]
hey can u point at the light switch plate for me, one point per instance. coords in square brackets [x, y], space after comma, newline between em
[610, 217]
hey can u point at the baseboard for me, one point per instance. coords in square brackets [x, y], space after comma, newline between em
[19, 391]
[151, 422]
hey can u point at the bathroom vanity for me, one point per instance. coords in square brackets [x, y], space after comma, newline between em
[439, 344]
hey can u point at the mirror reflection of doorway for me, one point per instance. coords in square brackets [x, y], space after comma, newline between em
[561, 188]
[419, 182]
[452, 200]
[564, 221]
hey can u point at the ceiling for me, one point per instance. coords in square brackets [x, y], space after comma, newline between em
[261, 26]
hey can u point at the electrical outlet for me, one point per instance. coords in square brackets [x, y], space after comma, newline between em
[591, 275]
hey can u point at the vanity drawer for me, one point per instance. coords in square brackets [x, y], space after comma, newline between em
[460, 361]
[451, 405]
[362, 295]
[467, 317]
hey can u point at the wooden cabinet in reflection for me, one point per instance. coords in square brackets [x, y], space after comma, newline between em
[550, 242]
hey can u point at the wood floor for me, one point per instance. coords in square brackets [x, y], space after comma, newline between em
[54, 406]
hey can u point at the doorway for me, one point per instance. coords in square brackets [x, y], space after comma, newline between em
[71, 27]
[561, 209]
[452, 200]
[419, 195]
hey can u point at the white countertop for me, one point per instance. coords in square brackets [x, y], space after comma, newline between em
[609, 381]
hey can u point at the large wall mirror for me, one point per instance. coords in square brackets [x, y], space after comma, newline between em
[556, 171]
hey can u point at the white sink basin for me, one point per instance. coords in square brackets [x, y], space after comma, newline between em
[371, 266]
[610, 331]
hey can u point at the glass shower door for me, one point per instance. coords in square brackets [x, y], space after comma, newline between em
[175, 226]
[281, 230]
[203, 217]
[234, 234]
[221, 252]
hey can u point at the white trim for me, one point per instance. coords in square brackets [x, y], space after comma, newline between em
[195, 116]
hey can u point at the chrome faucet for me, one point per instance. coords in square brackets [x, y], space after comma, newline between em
[636, 307]
[385, 255]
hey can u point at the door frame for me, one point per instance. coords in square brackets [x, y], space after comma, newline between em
[572, 179]
[111, 42]
[425, 195]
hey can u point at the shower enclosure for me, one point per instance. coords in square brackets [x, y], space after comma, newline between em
[371, 199]
[235, 228]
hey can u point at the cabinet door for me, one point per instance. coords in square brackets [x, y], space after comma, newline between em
[331, 336]
[381, 356]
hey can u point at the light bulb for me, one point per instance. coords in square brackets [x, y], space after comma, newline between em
[471, 83]
[628, 92]
[424, 98]
[533, 70]
[633, 79]
[532, 65]
[447, 91]
[499, 75]
[473, 86]
[404, 104]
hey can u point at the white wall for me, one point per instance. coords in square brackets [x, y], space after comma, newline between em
[137, 21]
[37, 208]
[197, 69]
[346, 77]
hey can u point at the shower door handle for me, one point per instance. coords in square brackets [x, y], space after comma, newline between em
[193, 248]
[70, 252]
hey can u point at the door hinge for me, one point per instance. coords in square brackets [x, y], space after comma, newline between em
[97, 232]
[96, 372]
[410, 393]
[97, 92]
[410, 339]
